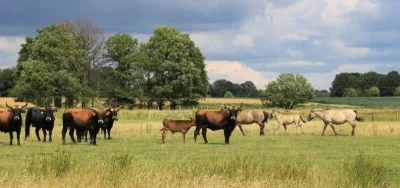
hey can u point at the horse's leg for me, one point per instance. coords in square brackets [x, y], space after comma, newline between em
[262, 125]
[204, 134]
[354, 127]
[284, 126]
[301, 127]
[241, 129]
[276, 128]
[333, 128]
[297, 127]
[323, 131]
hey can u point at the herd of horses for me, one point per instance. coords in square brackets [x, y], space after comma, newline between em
[91, 120]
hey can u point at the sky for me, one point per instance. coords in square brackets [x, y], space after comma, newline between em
[252, 40]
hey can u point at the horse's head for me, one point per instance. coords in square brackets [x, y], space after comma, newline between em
[272, 115]
[311, 116]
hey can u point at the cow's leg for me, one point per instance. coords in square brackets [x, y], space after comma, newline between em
[71, 134]
[241, 129]
[227, 134]
[44, 134]
[11, 137]
[37, 133]
[109, 132]
[262, 126]
[92, 134]
[85, 132]
[164, 135]
[196, 132]
[104, 130]
[323, 131]
[333, 128]
[354, 127]
[18, 136]
[183, 136]
[50, 134]
[204, 134]
[63, 133]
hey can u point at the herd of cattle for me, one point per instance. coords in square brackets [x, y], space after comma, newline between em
[91, 120]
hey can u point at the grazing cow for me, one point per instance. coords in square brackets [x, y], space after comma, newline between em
[251, 116]
[86, 119]
[11, 120]
[337, 117]
[182, 126]
[287, 120]
[216, 120]
[40, 118]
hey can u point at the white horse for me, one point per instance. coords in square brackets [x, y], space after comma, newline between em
[287, 120]
[337, 117]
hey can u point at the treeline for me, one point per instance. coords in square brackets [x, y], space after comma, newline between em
[370, 84]
[227, 89]
[73, 63]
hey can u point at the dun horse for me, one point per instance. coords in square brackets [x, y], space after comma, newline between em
[337, 117]
[287, 120]
[251, 116]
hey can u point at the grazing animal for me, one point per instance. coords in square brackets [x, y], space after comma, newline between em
[216, 120]
[287, 120]
[11, 120]
[251, 116]
[182, 126]
[40, 118]
[86, 119]
[336, 117]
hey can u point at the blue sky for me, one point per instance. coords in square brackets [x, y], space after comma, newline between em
[242, 40]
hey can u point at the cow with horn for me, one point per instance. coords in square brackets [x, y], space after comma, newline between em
[11, 120]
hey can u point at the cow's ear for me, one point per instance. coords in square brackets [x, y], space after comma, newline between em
[23, 111]
[41, 112]
[93, 114]
[108, 112]
[55, 110]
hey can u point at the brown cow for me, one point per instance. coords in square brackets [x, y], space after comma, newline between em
[11, 120]
[86, 119]
[182, 126]
[216, 120]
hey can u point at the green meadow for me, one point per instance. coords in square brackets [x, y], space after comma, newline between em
[135, 156]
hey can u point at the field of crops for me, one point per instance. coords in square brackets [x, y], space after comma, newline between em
[365, 102]
[135, 156]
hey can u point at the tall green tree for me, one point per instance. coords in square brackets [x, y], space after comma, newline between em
[372, 92]
[389, 83]
[121, 50]
[288, 90]
[7, 81]
[174, 68]
[343, 81]
[221, 86]
[54, 50]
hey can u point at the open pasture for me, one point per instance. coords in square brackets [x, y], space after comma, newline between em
[135, 157]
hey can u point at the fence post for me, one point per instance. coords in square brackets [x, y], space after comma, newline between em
[373, 119]
[397, 115]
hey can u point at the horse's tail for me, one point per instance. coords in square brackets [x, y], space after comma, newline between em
[28, 122]
[162, 129]
[358, 118]
[266, 115]
[303, 119]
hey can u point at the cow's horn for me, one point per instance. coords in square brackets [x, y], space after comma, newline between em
[24, 105]
[120, 107]
[8, 106]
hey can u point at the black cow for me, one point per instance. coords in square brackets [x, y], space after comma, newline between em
[40, 118]
[86, 119]
[11, 120]
[216, 120]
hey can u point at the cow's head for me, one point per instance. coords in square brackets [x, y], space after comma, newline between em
[233, 111]
[16, 111]
[114, 112]
[100, 114]
[49, 113]
[192, 121]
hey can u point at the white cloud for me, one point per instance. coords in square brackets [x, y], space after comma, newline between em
[236, 72]
[294, 36]
[297, 64]
[316, 42]
[349, 52]
[11, 44]
[209, 42]
[361, 68]
[243, 41]
[294, 53]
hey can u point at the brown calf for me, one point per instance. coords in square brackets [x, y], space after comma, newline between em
[182, 126]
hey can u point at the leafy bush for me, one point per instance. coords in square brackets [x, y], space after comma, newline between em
[228, 94]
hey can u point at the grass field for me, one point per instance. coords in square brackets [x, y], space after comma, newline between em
[135, 157]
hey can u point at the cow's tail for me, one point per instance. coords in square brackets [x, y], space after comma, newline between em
[28, 122]
[266, 115]
[303, 119]
[360, 119]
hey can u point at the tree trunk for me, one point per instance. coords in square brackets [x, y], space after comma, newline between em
[57, 102]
